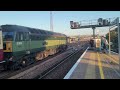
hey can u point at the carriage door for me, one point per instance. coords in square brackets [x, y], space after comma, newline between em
[27, 42]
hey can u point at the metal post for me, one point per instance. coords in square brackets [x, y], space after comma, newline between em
[109, 40]
[93, 32]
[51, 21]
[118, 40]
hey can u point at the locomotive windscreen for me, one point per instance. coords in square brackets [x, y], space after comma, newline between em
[8, 36]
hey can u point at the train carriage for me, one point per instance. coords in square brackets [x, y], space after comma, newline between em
[1, 47]
[20, 43]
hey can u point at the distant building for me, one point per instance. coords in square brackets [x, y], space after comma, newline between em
[72, 39]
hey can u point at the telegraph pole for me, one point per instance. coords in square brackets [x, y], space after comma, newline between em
[51, 21]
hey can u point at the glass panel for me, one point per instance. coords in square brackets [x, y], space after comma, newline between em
[19, 36]
[8, 36]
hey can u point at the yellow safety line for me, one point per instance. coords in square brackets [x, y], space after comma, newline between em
[111, 58]
[100, 67]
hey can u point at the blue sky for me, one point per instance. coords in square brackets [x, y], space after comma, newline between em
[61, 19]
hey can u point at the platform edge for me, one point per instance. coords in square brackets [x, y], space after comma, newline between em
[75, 65]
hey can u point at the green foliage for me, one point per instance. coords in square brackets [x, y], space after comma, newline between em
[114, 39]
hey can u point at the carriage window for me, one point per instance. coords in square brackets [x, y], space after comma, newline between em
[8, 36]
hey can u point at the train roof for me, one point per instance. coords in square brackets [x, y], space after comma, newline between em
[17, 28]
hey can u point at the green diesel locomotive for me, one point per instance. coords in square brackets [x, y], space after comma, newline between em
[24, 45]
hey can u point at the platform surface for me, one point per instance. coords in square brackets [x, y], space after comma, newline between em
[95, 65]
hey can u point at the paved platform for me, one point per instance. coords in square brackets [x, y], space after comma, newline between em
[95, 65]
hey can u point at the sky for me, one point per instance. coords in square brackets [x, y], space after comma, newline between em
[61, 20]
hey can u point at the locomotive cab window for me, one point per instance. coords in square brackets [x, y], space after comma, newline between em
[19, 36]
[26, 36]
[8, 36]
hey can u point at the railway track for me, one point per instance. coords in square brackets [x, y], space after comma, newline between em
[47, 74]
[50, 70]
[8, 74]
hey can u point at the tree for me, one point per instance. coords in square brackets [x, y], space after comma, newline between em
[114, 39]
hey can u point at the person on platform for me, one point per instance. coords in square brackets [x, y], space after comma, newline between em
[104, 44]
[91, 43]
